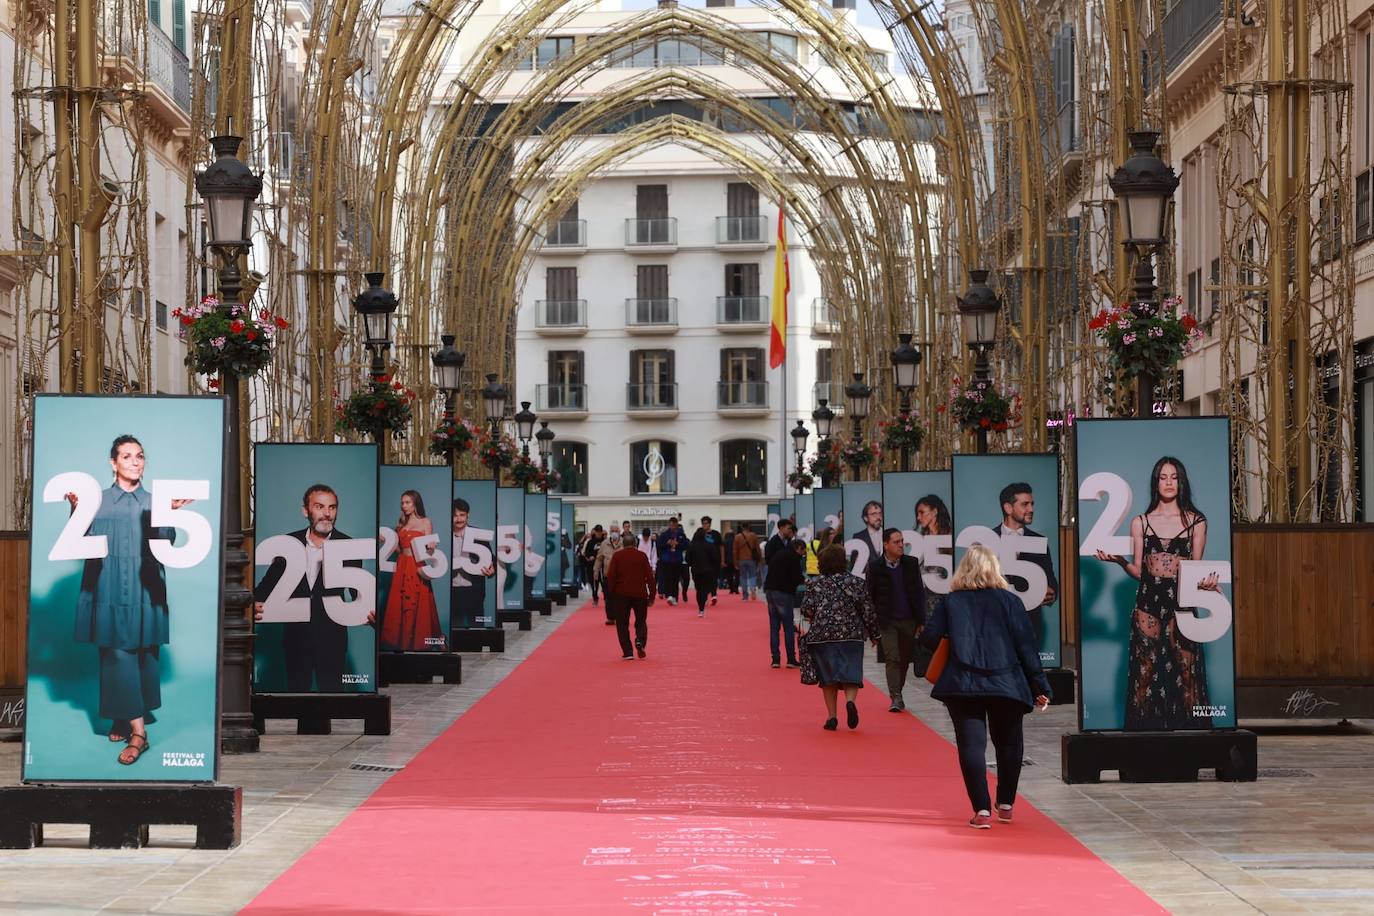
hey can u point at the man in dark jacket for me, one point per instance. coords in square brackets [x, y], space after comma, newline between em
[894, 584]
[785, 573]
[631, 580]
[706, 556]
[672, 566]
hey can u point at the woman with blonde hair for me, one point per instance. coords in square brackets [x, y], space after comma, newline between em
[986, 684]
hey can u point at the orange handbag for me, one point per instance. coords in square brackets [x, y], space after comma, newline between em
[937, 661]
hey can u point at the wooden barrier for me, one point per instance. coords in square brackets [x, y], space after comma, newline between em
[14, 606]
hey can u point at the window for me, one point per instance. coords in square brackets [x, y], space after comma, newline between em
[569, 459]
[136, 303]
[566, 230]
[652, 380]
[741, 364]
[550, 50]
[744, 466]
[877, 60]
[653, 467]
[155, 13]
[567, 389]
[778, 43]
[651, 281]
[161, 316]
[651, 201]
[560, 283]
[741, 199]
[741, 279]
[179, 25]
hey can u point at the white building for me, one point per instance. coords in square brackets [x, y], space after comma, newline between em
[643, 328]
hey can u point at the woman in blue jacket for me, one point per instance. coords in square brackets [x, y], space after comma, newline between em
[986, 685]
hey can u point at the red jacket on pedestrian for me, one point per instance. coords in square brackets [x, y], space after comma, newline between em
[630, 575]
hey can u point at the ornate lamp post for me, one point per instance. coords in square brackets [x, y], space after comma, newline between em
[978, 310]
[448, 370]
[1144, 184]
[544, 439]
[229, 189]
[856, 393]
[494, 407]
[524, 427]
[824, 418]
[905, 360]
[799, 436]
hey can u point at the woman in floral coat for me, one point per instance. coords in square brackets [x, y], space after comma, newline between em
[840, 616]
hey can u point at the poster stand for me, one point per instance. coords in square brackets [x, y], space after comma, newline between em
[418, 668]
[1160, 756]
[521, 617]
[119, 815]
[313, 712]
[542, 606]
[475, 639]
[1064, 683]
[557, 596]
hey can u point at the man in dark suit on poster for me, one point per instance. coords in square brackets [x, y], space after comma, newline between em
[1018, 511]
[469, 591]
[315, 650]
[871, 534]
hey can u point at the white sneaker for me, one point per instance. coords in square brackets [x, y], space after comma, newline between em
[672, 602]
[701, 613]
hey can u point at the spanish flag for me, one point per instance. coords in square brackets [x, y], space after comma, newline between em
[782, 285]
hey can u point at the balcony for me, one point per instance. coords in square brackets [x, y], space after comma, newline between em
[651, 316]
[651, 235]
[568, 401]
[825, 317]
[1185, 26]
[742, 232]
[833, 392]
[742, 399]
[561, 317]
[567, 236]
[654, 400]
[165, 74]
[742, 313]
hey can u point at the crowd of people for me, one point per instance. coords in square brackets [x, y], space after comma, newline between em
[820, 614]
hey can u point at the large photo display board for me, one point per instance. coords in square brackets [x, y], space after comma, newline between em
[314, 568]
[1011, 504]
[862, 519]
[474, 554]
[569, 540]
[412, 558]
[1154, 574]
[553, 547]
[917, 502]
[510, 548]
[536, 540]
[124, 589]
[828, 506]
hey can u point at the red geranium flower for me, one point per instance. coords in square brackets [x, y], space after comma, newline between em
[280, 322]
[187, 320]
[213, 383]
[236, 326]
[985, 422]
[398, 386]
[252, 335]
[1189, 322]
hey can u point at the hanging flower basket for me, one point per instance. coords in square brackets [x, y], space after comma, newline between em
[800, 481]
[524, 472]
[979, 405]
[901, 432]
[497, 453]
[826, 467]
[859, 454]
[452, 437]
[236, 340]
[549, 480]
[1144, 339]
[375, 410]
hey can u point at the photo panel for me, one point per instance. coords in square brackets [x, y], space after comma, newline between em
[413, 595]
[827, 505]
[774, 516]
[125, 585]
[472, 526]
[1010, 503]
[536, 538]
[861, 519]
[553, 547]
[314, 568]
[918, 502]
[805, 507]
[510, 548]
[568, 538]
[1155, 597]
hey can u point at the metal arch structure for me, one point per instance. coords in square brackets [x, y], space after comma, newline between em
[475, 214]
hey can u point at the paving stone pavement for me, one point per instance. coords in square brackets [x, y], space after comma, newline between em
[1296, 841]
[1290, 843]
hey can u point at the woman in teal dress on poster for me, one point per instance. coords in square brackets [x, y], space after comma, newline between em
[122, 608]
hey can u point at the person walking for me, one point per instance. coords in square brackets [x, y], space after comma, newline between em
[604, 553]
[839, 616]
[730, 572]
[672, 549]
[780, 584]
[648, 546]
[746, 550]
[706, 556]
[590, 545]
[986, 684]
[630, 580]
[894, 584]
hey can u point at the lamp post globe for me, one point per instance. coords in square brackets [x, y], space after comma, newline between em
[905, 361]
[1144, 183]
[800, 435]
[978, 309]
[448, 366]
[493, 400]
[376, 305]
[824, 418]
[524, 423]
[544, 438]
[228, 187]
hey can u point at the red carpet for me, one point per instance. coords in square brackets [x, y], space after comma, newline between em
[696, 782]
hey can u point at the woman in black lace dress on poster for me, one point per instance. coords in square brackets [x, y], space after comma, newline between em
[1165, 674]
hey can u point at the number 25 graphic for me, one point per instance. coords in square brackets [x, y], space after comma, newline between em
[73, 543]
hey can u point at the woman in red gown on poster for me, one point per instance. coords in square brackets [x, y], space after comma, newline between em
[411, 619]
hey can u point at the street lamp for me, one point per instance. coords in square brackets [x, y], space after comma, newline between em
[978, 310]
[544, 439]
[1144, 184]
[448, 369]
[824, 418]
[376, 305]
[494, 407]
[524, 427]
[799, 436]
[856, 395]
[905, 360]
[229, 188]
